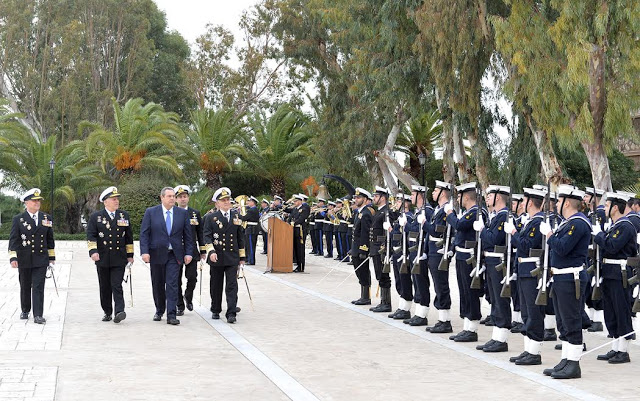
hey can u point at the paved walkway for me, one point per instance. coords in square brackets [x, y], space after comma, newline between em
[301, 339]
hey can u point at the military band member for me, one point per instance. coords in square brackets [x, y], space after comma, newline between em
[110, 241]
[441, 195]
[595, 307]
[360, 248]
[329, 228]
[528, 238]
[311, 222]
[616, 245]
[380, 226]
[264, 209]
[298, 215]
[321, 220]
[493, 235]
[31, 251]
[568, 251]
[341, 230]
[224, 243]
[252, 230]
[190, 270]
[463, 224]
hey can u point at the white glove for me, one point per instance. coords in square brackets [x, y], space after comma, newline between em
[386, 226]
[448, 207]
[402, 220]
[545, 228]
[478, 225]
[421, 218]
[638, 238]
[596, 229]
[509, 227]
[524, 219]
[513, 277]
[607, 225]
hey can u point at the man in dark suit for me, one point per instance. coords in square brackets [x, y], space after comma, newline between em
[110, 242]
[191, 269]
[224, 242]
[31, 251]
[166, 242]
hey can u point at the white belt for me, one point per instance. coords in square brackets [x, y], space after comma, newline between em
[344, 222]
[313, 223]
[567, 270]
[532, 259]
[619, 262]
[466, 250]
[493, 254]
[434, 239]
[350, 226]
[252, 223]
[321, 221]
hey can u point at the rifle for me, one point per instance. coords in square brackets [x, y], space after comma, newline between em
[542, 298]
[416, 262]
[444, 262]
[596, 293]
[636, 295]
[476, 282]
[506, 281]
[386, 265]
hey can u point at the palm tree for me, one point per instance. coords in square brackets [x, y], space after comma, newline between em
[422, 136]
[25, 157]
[143, 137]
[280, 146]
[213, 143]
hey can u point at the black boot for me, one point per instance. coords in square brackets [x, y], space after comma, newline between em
[620, 357]
[559, 366]
[466, 336]
[595, 327]
[385, 301]
[365, 298]
[550, 335]
[441, 327]
[530, 359]
[571, 370]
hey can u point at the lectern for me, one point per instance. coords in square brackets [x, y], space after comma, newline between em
[280, 246]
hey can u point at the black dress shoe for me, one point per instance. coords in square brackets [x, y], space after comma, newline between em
[488, 343]
[550, 335]
[297, 270]
[180, 312]
[231, 319]
[312, 253]
[402, 314]
[560, 365]
[190, 306]
[263, 253]
[530, 360]
[418, 321]
[363, 301]
[595, 327]
[381, 308]
[456, 335]
[39, 320]
[120, 316]
[24, 315]
[571, 370]
[173, 321]
[215, 316]
[489, 322]
[328, 256]
[466, 337]
[620, 357]
[157, 317]
[607, 356]
[441, 328]
[515, 358]
[558, 347]
[517, 327]
[238, 309]
[391, 315]
[106, 318]
[497, 346]
[483, 321]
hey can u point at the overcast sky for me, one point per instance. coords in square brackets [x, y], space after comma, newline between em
[189, 17]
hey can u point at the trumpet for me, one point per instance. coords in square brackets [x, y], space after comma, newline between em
[316, 209]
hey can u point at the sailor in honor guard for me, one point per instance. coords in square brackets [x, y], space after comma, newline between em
[595, 307]
[224, 240]
[183, 193]
[568, 251]
[31, 251]
[251, 218]
[110, 243]
[360, 248]
[617, 244]
[379, 232]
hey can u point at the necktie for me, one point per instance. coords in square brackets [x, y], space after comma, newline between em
[113, 215]
[226, 216]
[168, 221]
[35, 218]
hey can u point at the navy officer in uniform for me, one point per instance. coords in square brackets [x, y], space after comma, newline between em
[224, 243]
[31, 251]
[110, 242]
[251, 218]
[568, 251]
[378, 232]
[298, 215]
[360, 248]
[191, 269]
[616, 245]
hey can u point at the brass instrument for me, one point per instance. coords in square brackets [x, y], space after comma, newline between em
[242, 201]
[316, 209]
[333, 218]
[346, 209]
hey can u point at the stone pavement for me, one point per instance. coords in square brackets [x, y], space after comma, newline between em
[299, 339]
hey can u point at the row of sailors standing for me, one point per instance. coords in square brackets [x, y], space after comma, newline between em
[422, 243]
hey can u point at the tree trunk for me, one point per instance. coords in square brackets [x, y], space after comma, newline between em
[386, 161]
[548, 160]
[277, 187]
[448, 165]
[460, 155]
[482, 158]
[213, 180]
[599, 163]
